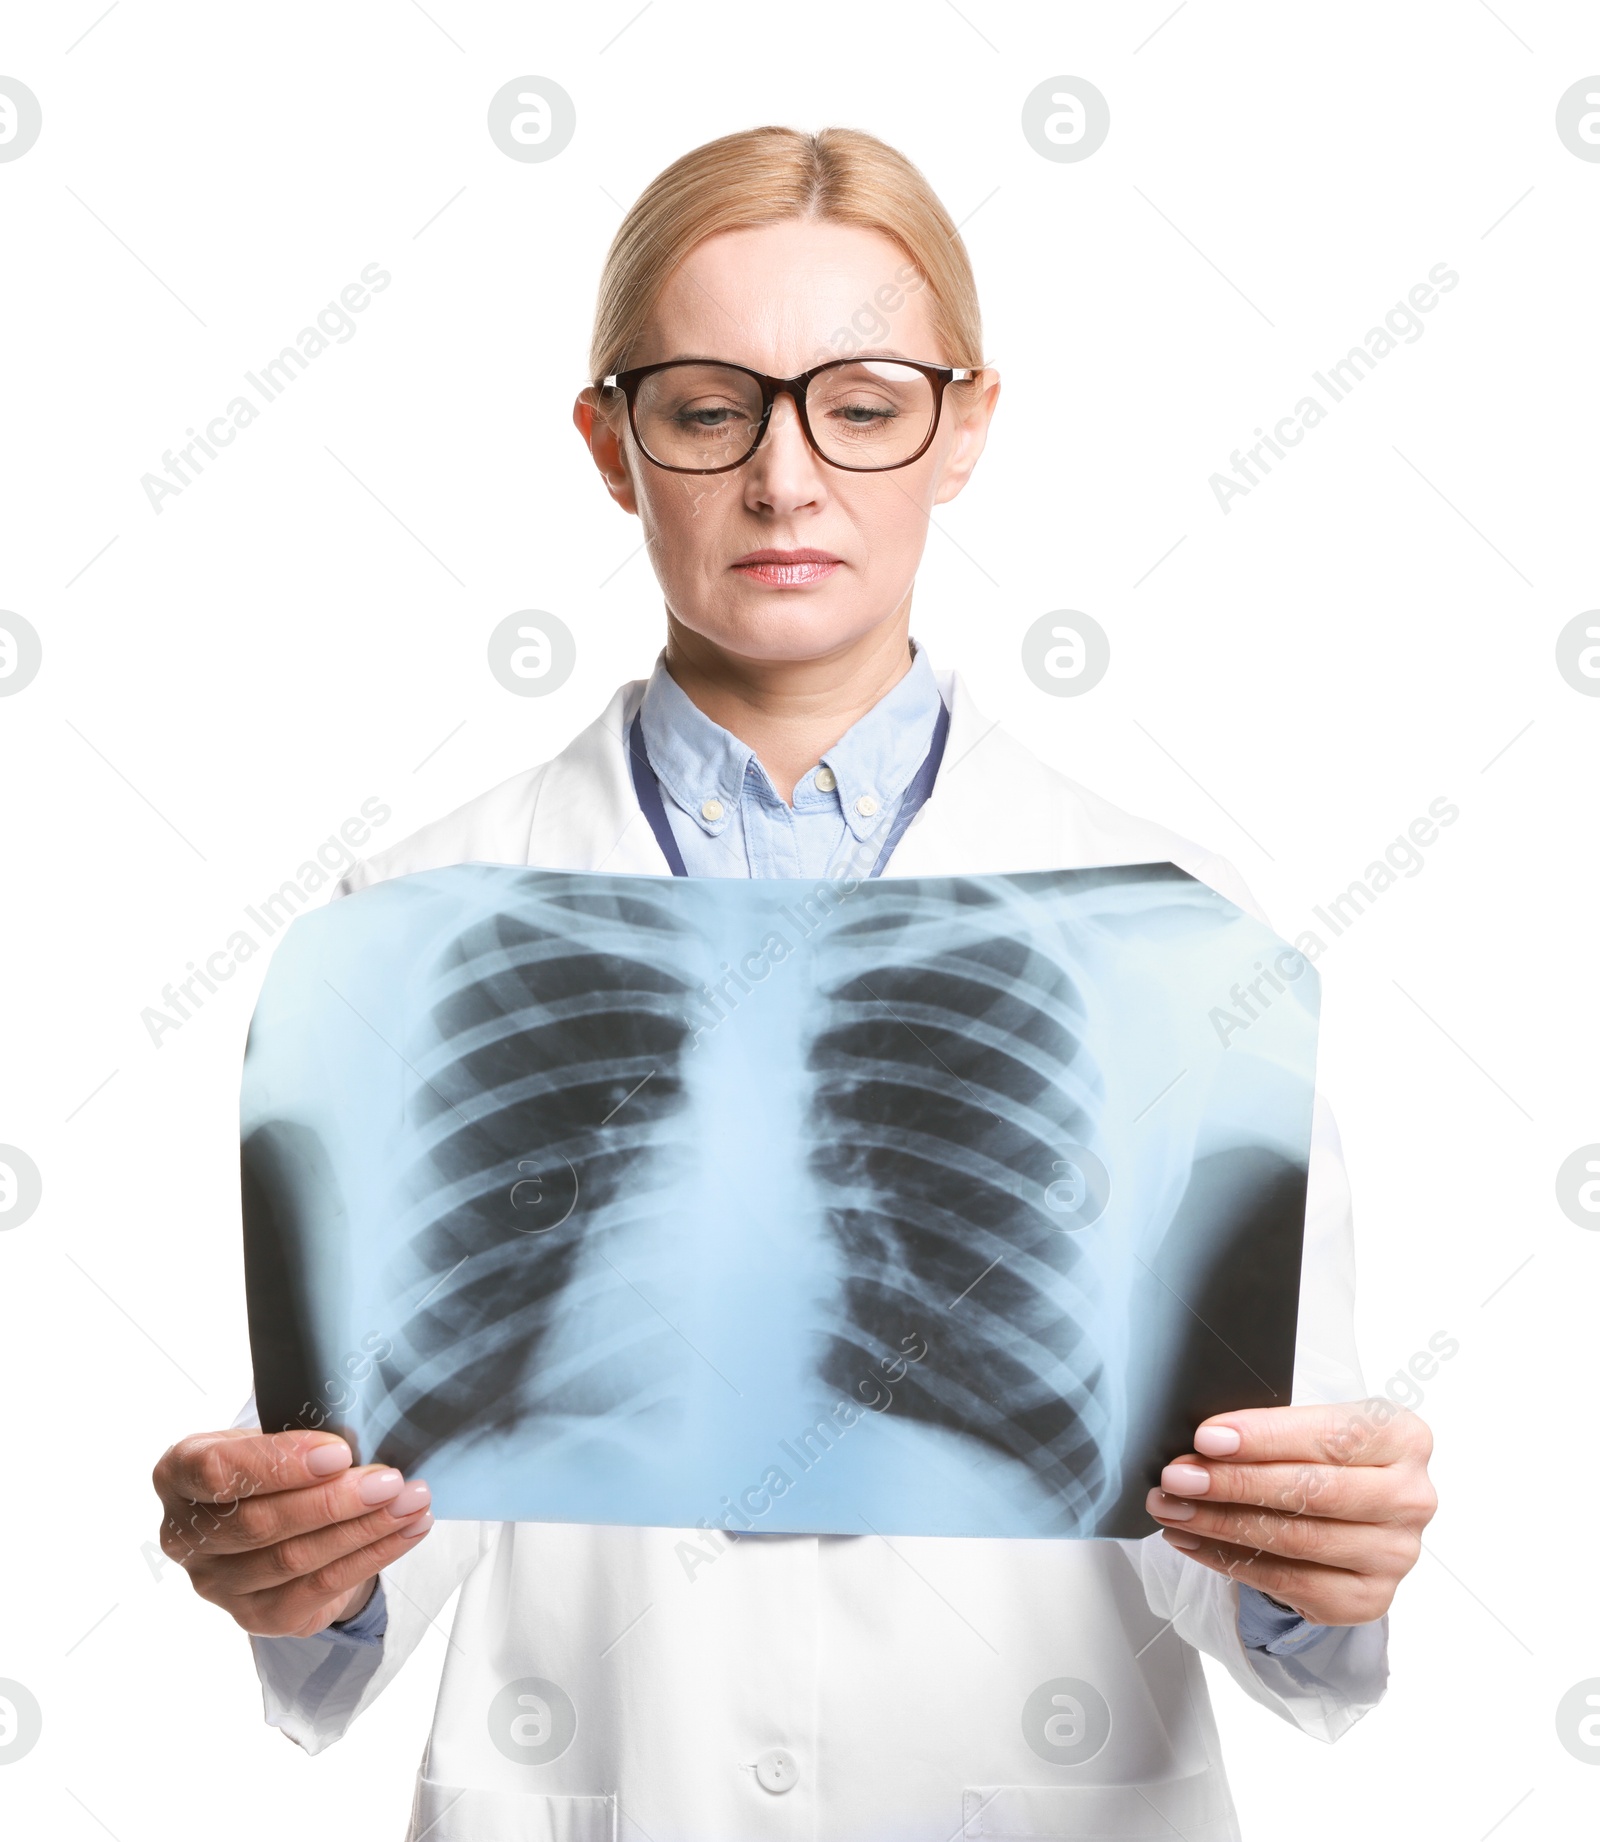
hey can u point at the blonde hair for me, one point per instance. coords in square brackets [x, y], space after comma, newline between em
[765, 176]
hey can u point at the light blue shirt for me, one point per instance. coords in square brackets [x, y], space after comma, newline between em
[729, 820]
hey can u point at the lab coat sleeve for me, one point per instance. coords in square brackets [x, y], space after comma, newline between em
[312, 1688]
[1325, 1687]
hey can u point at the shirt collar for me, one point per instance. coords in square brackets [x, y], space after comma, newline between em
[876, 759]
[698, 762]
[701, 765]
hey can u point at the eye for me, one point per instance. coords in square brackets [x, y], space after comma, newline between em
[708, 418]
[863, 415]
[704, 418]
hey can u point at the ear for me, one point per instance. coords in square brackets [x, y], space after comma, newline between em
[601, 429]
[973, 404]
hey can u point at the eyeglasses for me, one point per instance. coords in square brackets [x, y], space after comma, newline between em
[865, 415]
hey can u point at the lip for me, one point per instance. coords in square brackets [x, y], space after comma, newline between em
[786, 568]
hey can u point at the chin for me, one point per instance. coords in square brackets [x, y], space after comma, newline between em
[778, 625]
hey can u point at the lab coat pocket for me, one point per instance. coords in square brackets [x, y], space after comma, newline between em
[1198, 1808]
[455, 1813]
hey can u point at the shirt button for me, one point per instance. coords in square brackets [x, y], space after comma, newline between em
[826, 780]
[866, 805]
[711, 809]
[777, 1771]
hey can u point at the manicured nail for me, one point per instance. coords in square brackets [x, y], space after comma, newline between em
[1186, 1480]
[1216, 1441]
[379, 1487]
[1179, 1539]
[419, 1526]
[323, 1460]
[415, 1496]
[1171, 1509]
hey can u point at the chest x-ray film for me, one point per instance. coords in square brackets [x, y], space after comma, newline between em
[927, 1205]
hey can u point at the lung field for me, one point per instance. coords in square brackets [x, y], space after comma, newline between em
[552, 1068]
[948, 1083]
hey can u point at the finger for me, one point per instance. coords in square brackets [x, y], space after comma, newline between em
[237, 1576]
[242, 1462]
[1356, 1493]
[1325, 1595]
[1371, 1432]
[198, 1532]
[300, 1608]
[1360, 1547]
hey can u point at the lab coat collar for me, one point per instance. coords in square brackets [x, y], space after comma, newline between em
[587, 815]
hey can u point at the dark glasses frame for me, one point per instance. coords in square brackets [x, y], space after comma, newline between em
[795, 389]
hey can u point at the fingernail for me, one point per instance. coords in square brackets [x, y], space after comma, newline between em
[379, 1486]
[415, 1496]
[1179, 1539]
[323, 1460]
[1172, 1509]
[423, 1523]
[1217, 1441]
[1186, 1480]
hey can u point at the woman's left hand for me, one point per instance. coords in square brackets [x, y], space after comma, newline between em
[1321, 1508]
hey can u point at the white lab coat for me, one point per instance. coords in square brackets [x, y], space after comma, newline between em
[892, 1673]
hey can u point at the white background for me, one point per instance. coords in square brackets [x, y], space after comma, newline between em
[1371, 628]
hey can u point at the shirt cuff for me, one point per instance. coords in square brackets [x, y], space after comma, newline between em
[368, 1625]
[1264, 1625]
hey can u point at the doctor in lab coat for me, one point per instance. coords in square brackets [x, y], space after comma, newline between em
[695, 1686]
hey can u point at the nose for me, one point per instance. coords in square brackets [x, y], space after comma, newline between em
[784, 475]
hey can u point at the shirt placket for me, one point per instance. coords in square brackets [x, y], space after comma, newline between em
[769, 828]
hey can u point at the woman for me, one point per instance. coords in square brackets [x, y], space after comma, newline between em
[839, 1687]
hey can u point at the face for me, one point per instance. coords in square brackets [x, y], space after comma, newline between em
[788, 558]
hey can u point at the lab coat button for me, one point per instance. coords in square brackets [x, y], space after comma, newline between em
[777, 1771]
[711, 810]
[825, 780]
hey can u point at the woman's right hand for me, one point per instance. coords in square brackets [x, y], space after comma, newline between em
[279, 1529]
